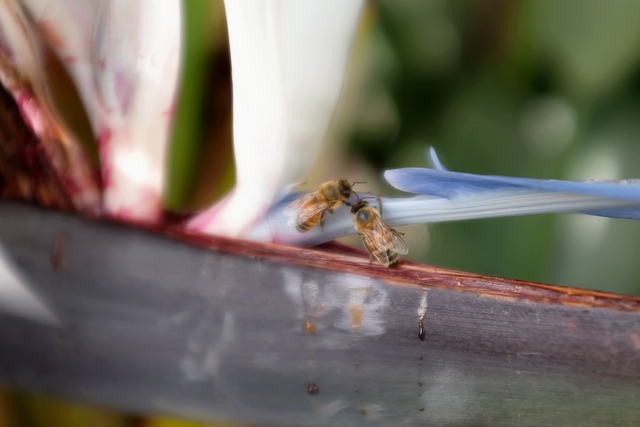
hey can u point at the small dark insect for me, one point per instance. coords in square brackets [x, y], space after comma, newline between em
[312, 388]
[383, 242]
[310, 208]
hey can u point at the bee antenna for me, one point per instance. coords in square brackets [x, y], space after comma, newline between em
[358, 182]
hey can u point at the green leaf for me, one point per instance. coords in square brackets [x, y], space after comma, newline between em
[200, 155]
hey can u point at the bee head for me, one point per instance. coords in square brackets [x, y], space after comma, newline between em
[345, 188]
[358, 205]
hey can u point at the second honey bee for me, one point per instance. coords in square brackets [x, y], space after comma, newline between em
[383, 242]
[309, 209]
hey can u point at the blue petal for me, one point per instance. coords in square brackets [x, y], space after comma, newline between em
[450, 185]
[426, 209]
[453, 196]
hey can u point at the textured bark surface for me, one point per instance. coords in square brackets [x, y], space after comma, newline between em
[156, 321]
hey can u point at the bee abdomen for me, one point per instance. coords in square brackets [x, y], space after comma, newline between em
[393, 257]
[305, 226]
[310, 223]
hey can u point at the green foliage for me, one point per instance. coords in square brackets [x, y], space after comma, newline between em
[200, 160]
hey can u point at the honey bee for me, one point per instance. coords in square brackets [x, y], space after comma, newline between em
[383, 242]
[309, 209]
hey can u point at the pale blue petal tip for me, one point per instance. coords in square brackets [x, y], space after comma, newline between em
[433, 156]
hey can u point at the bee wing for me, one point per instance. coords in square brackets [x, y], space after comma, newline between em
[304, 208]
[379, 239]
[373, 246]
[399, 245]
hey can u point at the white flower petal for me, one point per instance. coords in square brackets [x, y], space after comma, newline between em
[124, 59]
[288, 65]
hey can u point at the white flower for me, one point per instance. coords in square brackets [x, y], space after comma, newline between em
[124, 59]
[288, 60]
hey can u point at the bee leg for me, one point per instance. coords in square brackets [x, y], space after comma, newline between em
[330, 210]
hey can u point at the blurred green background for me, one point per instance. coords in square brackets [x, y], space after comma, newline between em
[531, 88]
